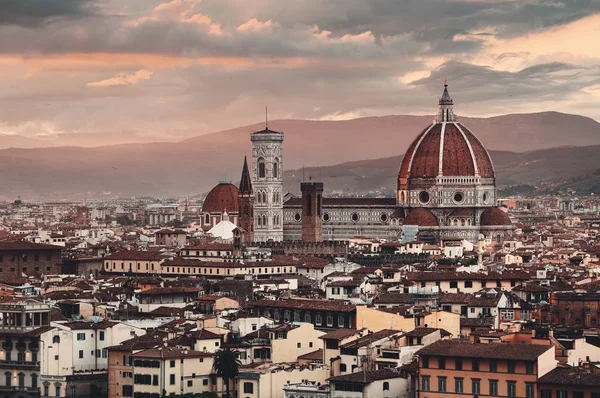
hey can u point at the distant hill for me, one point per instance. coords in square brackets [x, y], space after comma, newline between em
[576, 168]
[195, 165]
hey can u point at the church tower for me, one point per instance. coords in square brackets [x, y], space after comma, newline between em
[246, 201]
[267, 180]
[312, 221]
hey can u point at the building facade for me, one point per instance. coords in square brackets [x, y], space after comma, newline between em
[267, 180]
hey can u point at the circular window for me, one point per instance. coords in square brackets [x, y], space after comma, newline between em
[459, 197]
[355, 217]
[326, 217]
[485, 197]
[383, 217]
[297, 217]
[424, 197]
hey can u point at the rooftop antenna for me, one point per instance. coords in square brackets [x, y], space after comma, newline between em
[303, 177]
[266, 119]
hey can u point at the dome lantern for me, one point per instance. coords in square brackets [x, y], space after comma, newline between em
[445, 105]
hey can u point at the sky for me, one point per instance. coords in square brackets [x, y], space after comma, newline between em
[171, 69]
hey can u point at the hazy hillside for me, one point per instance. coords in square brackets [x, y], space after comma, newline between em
[195, 165]
[566, 167]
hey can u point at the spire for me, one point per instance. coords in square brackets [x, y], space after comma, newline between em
[245, 182]
[445, 105]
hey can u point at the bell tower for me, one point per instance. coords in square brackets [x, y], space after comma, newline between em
[267, 181]
[246, 202]
[312, 222]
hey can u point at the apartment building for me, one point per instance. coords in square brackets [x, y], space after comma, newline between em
[163, 371]
[74, 358]
[465, 369]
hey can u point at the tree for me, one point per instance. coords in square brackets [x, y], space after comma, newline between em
[227, 365]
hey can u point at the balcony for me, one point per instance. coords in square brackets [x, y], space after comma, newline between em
[30, 365]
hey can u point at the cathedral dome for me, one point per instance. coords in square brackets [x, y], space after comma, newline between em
[421, 217]
[223, 197]
[494, 217]
[446, 148]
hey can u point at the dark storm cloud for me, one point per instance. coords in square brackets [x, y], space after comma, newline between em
[551, 81]
[391, 17]
[33, 13]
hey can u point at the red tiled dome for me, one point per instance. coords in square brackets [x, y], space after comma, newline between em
[462, 154]
[421, 217]
[494, 216]
[223, 197]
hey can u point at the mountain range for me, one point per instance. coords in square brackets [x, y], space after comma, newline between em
[526, 149]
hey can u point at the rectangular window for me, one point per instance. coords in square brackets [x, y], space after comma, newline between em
[441, 383]
[511, 388]
[493, 388]
[493, 365]
[172, 379]
[453, 284]
[529, 390]
[172, 364]
[458, 385]
[476, 365]
[562, 394]
[80, 336]
[155, 380]
[190, 383]
[424, 383]
[529, 367]
[204, 382]
[476, 386]
[458, 364]
[442, 363]
[80, 354]
[248, 388]
[101, 335]
[425, 362]
[127, 391]
[468, 283]
[546, 394]
[511, 366]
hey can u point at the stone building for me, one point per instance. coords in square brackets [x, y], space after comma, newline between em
[22, 257]
[446, 191]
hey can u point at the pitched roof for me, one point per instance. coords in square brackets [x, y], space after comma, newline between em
[313, 356]
[579, 377]
[366, 377]
[466, 349]
[339, 334]
[325, 305]
[371, 338]
[170, 352]
[26, 245]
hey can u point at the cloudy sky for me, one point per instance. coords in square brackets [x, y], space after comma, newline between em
[175, 68]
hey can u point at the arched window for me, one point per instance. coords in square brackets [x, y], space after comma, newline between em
[264, 220]
[264, 197]
[307, 317]
[8, 379]
[386, 386]
[207, 219]
[308, 205]
[21, 381]
[34, 381]
[276, 168]
[274, 220]
[262, 171]
[55, 339]
[246, 210]
[259, 220]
